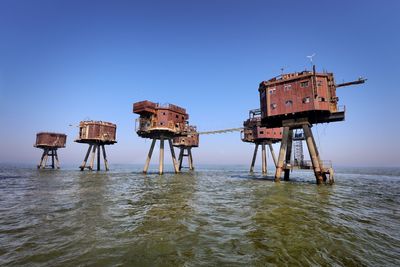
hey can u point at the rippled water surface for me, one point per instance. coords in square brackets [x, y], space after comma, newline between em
[214, 216]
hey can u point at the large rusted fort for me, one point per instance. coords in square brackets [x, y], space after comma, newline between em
[296, 101]
[164, 122]
[97, 134]
[50, 142]
[298, 95]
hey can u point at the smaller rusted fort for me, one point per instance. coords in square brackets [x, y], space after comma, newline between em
[97, 134]
[161, 122]
[50, 142]
[254, 133]
[186, 143]
[297, 101]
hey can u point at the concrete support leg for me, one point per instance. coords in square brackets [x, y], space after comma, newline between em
[312, 149]
[46, 156]
[86, 158]
[253, 161]
[288, 154]
[180, 159]
[321, 165]
[41, 159]
[57, 161]
[176, 167]
[105, 158]
[98, 157]
[264, 159]
[331, 176]
[146, 166]
[52, 159]
[161, 163]
[93, 156]
[191, 167]
[271, 149]
[282, 154]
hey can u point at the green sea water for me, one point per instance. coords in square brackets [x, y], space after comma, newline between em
[214, 216]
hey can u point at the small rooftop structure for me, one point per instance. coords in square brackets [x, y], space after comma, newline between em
[50, 142]
[97, 134]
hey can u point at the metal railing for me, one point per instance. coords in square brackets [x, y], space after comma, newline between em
[308, 163]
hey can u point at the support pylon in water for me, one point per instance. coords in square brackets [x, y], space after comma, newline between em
[161, 158]
[322, 173]
[263, 156]
[161, 122]
[94, 148]
[189, 156]
[96, 134]
[52, 152]
[49, 142]
[260, 136]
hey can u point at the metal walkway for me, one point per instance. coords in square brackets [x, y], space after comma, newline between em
[222, 131]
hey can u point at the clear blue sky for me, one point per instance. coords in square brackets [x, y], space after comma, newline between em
[66, 61]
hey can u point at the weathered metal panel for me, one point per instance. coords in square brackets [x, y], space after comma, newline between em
[191, 140]
[297, 93]
[268, 133]
[97, 131]
[51, 140]
[189, 137]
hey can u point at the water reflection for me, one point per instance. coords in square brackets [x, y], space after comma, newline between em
[163, 236]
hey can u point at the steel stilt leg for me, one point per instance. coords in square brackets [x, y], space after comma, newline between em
[264, 159]
[253, 161]
[161, 163]
[82, 167]
[146, 166]
[282, 153]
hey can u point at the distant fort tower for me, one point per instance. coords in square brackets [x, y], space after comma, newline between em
[50, 142]
[186, 143]
[97, 134]
[253, 133]
[161, 122]
[297, 101]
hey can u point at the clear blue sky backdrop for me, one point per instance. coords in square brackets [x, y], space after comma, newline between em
[65, 61]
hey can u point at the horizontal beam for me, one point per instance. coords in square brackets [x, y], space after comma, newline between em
[220, 131]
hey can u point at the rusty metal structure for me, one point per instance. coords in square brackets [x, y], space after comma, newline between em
[97, 134]
[161, 122]
[298, 161]
[297, 101]
[186, 142]
[50, 142]
[254, 133]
